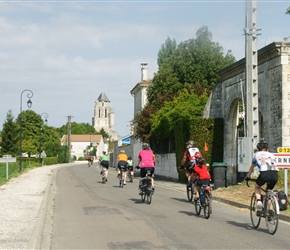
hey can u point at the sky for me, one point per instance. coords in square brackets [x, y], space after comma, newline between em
[69, 52]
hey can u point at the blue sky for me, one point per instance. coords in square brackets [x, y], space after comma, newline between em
[68, 52]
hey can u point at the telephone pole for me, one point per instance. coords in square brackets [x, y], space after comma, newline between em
[252, 112]
[69, 137]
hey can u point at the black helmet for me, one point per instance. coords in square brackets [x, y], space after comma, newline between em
[199, 160]
[262, 144]
[145, 145]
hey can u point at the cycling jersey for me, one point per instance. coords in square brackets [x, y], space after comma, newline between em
[146, 158]
[190, 152]
[202, 172]
[265, 161]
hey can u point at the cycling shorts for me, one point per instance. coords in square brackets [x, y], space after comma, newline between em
[188, 166]
[130, 168]
[144, 170]
[202, 182]
[105, 164]
[270, 177]
[123, 163]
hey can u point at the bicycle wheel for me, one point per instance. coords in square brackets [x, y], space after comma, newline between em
[143, 196]
[206, 206]
[189, 192]
[255, 219]
[272, 216]
[149, 196]
[197, 207]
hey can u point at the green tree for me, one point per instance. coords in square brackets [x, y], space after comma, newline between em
[76, 129]
[50, 142]
[288, 11]
[166, 50]
[10, 136]
[184, 106]
[193, 66]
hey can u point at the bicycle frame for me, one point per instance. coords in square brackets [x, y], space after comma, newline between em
[147, 187]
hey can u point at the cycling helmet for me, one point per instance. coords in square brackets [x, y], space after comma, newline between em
[262, 144]
[200, 160]
[145, 145]
[190, 143]
[122, 151]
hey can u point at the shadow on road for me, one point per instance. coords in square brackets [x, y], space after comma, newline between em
[181, 200]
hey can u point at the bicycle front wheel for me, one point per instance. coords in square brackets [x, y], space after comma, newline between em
[254, 217]
[189, 193]
[197, 207]
[272, 216]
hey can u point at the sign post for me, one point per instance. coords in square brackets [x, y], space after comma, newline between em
[282, 159]
[7, 158]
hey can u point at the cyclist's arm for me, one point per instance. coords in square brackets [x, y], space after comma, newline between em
[250, 170]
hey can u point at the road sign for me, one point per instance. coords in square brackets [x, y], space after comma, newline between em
[8, 158]
[283, 150]
[282, 160]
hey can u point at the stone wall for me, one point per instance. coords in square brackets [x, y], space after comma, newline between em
[273, 101]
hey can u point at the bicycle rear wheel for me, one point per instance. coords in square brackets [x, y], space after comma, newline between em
[255, 219]
[207, 206]
[272, 217]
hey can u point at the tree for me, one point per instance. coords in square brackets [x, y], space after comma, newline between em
[193, 65]
[10, 136]
[186, 105]
[166, 50]
[77, 129]
[288, 11]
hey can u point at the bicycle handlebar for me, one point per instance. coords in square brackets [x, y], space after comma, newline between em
[249, 179]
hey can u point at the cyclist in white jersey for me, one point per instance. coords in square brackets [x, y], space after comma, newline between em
[265, 161]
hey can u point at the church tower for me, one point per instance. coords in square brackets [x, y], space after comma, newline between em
[104, 116]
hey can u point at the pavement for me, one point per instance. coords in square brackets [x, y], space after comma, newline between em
[25, 203]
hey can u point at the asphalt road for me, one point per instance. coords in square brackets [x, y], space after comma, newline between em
[86, 214]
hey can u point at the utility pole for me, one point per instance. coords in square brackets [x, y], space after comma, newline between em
[69, 137]
[252, 112]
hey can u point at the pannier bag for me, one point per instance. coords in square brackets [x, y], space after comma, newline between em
[283, 200]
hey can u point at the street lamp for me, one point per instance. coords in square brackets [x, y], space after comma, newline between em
[45, 115]
[29, 104]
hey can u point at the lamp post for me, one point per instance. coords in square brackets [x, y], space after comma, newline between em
[29, 104]
[45, 115]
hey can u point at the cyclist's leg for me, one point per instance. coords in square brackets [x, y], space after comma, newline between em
[125, 174]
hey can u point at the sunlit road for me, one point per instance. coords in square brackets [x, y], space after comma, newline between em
[92, 215]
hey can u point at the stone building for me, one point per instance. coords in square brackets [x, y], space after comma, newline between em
[273, 105]
[104, 116]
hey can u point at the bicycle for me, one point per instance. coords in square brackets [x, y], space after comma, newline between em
[130, 175]
[146, 187]
[103, 174]
[90, 163]
[189, 188]
[270, 210]
[204, 201]
[121, 177]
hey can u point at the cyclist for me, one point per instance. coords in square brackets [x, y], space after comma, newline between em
[122, 161]
[90, 160]
[202, 174]
[146, 161]
[189, 155]
[104, 162]
[265, 161]
[130, 166]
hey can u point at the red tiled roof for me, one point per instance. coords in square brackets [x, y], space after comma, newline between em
[83, 138]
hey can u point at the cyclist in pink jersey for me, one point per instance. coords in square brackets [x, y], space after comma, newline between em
[146, 161]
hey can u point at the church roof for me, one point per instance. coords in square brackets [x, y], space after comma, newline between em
[103, 98]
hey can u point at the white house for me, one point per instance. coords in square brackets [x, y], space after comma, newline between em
[80, 144]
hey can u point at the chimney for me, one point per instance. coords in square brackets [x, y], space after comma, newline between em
[144, 71]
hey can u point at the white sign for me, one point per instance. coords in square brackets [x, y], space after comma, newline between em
[282, 160]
